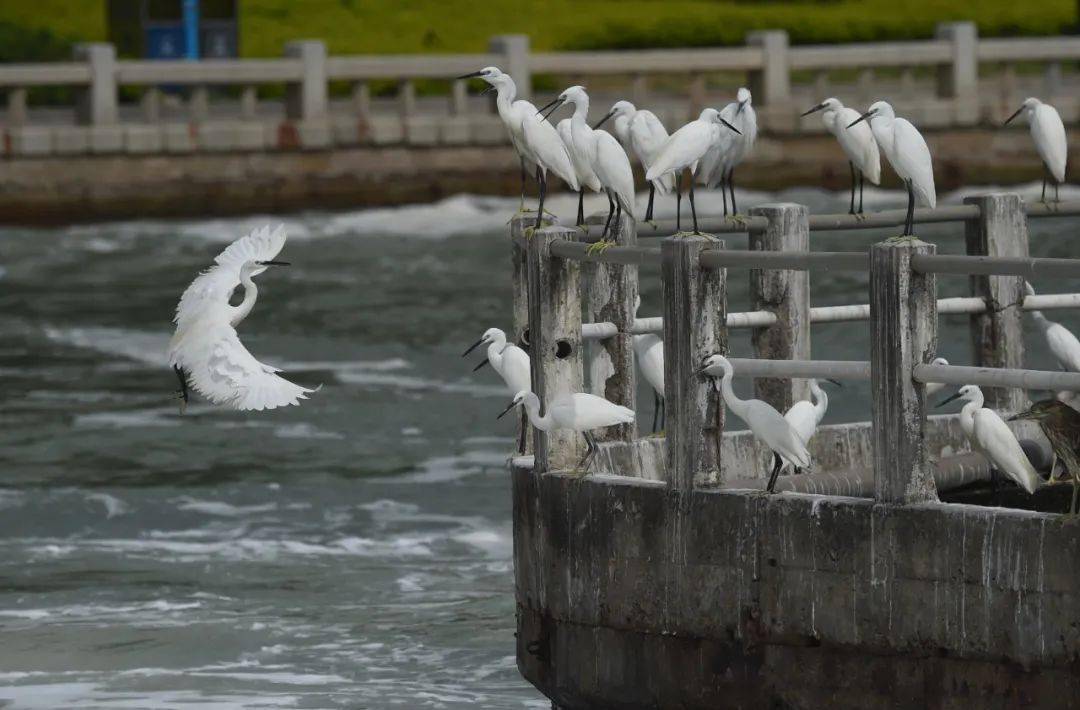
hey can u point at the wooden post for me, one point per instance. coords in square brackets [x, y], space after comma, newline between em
[519, 261]
[959, 79]
[612, 290]
[555, 332]
[694, 327]
[785, 293]
[97, 102]
[771, 85]
[997, 336]
[308, 99]
[903, 319]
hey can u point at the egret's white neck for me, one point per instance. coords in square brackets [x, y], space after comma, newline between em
[505, 93]
[967, 416]
[532, 406]
[733, 402]
[821, 400]
[581, 111]
[251, 292]
[1042, 320]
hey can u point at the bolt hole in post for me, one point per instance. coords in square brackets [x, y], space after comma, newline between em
[563, 349]
[525, 338]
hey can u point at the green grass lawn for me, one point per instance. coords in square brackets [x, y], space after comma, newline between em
[411, 26]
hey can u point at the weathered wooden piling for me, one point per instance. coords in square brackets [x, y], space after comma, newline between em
[611, 290]
[785, 293]
[519, 264]
[555, 337]
[903, 321]
[997, 336]
[694, 327]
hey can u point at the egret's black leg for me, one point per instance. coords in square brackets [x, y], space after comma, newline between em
[540, 178]
[581, 207]
[1043, 200]
[862, 183]
[909, 222]
[610, 214]
[777, 463]
[851, 165]
[731, 186]
[183, 386]
[652, 196]
[592, 450]
[723, 191]
[655, 410]
[618, 218]
[1056, 186]
[523, 428]
[524, 177]
[693, 209]
[678, 201]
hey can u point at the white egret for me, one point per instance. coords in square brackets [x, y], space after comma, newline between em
[206, 352]
[1048, 133]
[582, 168]
[649, 353]
[857, 142]
[907, 153]
[512, 364]
[602, 152]
[935, 387]
[1062, 343]
[767, 424]
[535, 140]
[732, 150]
[805, 415]
[684, 149]
[644, 135]
[991, 436]
[576, 411]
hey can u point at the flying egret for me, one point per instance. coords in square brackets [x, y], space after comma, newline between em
[1048, 133]
[535, 140]
[512, 364]
[1062, 343]
[991, 436]
[906, 150]
[206, 351]
[805, 415]
[857, 142]
[645, 135]
[684, 149]
[732, 150]
[576, 411]
[602, 152]
[1061, 425]
[767, 424]
[935, 387]
[582, 168]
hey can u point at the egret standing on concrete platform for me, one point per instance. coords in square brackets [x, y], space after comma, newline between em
[767, 424]
[511, 362]
[1048, 133]
[856, 141]
[535, 140]
[805, 415]
[685, 149]
[1062, 343]
[602, 152]
[206, 350]
[645, 135]
[907, 153]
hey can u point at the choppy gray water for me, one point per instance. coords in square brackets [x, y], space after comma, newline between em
[352, 552]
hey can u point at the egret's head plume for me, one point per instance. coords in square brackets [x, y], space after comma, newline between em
[743, 97]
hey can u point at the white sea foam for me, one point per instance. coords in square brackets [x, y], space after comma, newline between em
[221, 508]
[147, 348]
[113, 505]
[441, 469]
[303, 430]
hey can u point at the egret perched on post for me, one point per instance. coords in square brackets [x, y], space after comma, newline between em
[907, 153]
[934, 387]
[206, 353]
[512, 364]
[856, 141]
[805, 415]
[991, 436]
[1061, 425]
[645, 135]
[685, 149]
[1048, 133]
[582, 168]
[602, 152]
[767, 424]
[649, 353]
[576, 411]
[1062, 343]
[729, 150]
[534, 139]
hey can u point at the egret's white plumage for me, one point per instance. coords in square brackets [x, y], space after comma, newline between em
[206, 347]
[643, 135]
[576, 411]
[1062, 343]
[991, 436]
[907, 153]
[1048, 134]
[857, 142]
[767, 424]
[805, 415]
[935, 387]
[582, 167]
[510, 361]
[730, 150]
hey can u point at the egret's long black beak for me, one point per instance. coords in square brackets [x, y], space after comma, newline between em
[723, 121]
[1010, 118]
[471, 75]
[480, 365]
[508, 408]
[862, 118]
[834, 382]
[275, 263]
[946, 401]
[813, 109]
[603, 120]
[472, 347]
[552, 106]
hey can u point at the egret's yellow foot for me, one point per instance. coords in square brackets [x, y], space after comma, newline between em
[599, 247]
